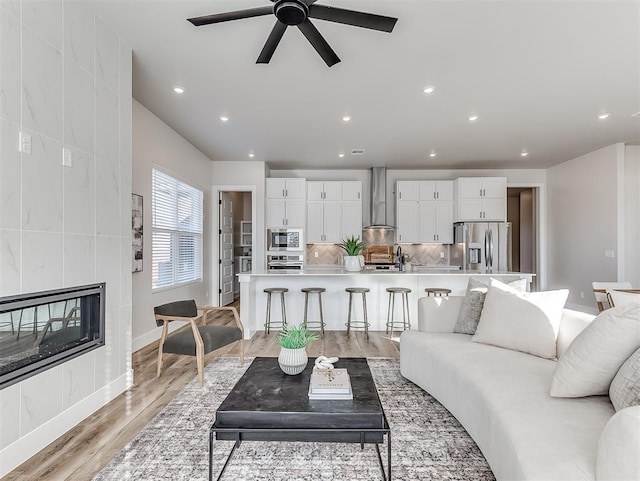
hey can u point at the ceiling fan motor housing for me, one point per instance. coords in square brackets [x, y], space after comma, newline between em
[291, 12]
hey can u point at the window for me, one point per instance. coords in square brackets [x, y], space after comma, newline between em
[177, 232]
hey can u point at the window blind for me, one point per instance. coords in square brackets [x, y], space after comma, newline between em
[177, 231]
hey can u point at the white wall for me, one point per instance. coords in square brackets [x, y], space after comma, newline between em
[582, 202]
[156, 145]
[65, 79]
[632, 215]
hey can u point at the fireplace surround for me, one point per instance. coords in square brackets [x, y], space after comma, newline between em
[43, 329]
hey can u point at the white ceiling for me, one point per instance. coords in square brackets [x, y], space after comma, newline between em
[538, 73]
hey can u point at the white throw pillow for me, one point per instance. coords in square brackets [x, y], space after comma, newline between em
[522, 321]
[592, 360]
[471, 309]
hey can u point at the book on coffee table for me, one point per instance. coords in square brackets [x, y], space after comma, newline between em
[330, 384]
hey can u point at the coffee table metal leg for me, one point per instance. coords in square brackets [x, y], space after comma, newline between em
[236, 444]
[386, 476]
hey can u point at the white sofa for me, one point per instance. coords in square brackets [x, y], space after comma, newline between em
[501, 397]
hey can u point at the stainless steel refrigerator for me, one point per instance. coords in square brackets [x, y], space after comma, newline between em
[482, 246]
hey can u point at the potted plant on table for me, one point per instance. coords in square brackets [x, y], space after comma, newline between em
[353, 261]
[293, 342]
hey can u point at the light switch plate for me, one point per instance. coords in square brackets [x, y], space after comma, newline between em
[609, 254]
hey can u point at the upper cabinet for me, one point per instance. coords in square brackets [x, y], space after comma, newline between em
[424, 211]
[334, 210]
[289, 188]
[480, 199]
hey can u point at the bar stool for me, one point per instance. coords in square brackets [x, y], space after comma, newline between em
[313, 290]
[437, 291]
[404, 294]
[267, 323]
[358, 323]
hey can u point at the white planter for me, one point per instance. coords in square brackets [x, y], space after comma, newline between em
[293, 361]
[353, 263]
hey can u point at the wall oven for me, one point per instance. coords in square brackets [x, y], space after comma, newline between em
[285, 263]
[284, 240]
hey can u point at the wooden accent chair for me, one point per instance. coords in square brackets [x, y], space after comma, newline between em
[200, 339]
[603, 299]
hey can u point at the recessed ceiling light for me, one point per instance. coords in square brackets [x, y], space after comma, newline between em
[603, 116]
[341, 155]
[473, 118]
[432, 154]
[429, 89]
[252, 155]
[224, 118]
[346, 118]
[177, 89]
[524, 153]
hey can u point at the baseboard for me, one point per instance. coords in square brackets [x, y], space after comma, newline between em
[20, 451]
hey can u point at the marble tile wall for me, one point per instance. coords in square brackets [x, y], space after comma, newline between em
[65, 79]
[423, 254]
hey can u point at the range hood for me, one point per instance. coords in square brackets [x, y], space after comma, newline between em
[379, 199]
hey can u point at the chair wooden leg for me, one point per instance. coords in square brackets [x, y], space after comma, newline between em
[159, 361]
[241, 341]
[200, 362]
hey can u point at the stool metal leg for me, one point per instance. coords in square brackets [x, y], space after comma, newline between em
[284, 313]
[389, 316]
[404, 310]
[321, 316]
[408, 323]
[267, 321]
[366, 320]
[349, 315]
[306, 307]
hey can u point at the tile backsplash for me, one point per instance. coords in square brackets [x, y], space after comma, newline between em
[423, 254]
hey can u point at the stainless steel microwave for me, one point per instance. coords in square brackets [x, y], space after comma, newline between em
[284, 239]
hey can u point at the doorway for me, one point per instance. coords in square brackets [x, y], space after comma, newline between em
[235, 252]
[521, 213]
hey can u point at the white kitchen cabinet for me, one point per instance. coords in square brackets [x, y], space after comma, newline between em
[425, 212]
[325, 222]
[285, 213]
[351, 220]
[436, 190]
[480, 199]
[285, 188]
[324, 191]
[407, 221]
[352, 191]
[408, 190]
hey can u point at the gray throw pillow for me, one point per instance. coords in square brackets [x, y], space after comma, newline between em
[474, 301]
[625, 387]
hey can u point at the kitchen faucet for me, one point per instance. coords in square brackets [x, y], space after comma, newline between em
[400, 258]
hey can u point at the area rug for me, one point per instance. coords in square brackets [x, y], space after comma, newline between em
[428, 442]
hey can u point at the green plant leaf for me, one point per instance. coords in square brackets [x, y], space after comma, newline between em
[352, 245]
[295, 337]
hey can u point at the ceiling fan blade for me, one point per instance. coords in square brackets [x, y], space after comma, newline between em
[235, 15]
[272, 42]
[319, 43]
[351, 17]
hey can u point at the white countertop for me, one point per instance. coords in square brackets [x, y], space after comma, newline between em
[338, 271]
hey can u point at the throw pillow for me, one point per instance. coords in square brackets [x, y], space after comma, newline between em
[471, 309]
[522, 321]
[592, 360]
[625, 387]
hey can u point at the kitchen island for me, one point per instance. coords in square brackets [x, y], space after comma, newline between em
[336, 301]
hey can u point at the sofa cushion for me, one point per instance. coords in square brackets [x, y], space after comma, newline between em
[501, 397]
[592, 360]
[474, 300]
[523, 321]
[625, 387]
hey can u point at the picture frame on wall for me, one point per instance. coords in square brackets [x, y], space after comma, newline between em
[137, 232]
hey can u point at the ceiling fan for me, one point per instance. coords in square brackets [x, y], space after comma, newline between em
[298, 13]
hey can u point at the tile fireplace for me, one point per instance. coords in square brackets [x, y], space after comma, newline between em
[43, 329]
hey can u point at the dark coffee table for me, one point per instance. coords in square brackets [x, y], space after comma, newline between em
[268, 405]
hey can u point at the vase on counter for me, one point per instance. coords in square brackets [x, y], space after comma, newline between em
[353, 263]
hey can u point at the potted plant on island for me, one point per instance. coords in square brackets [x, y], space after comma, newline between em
[353, 261]
[293, 341]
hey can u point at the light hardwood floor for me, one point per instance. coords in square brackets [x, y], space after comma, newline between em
[84, 450]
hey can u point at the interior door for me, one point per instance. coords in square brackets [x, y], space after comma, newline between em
[226, 249]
